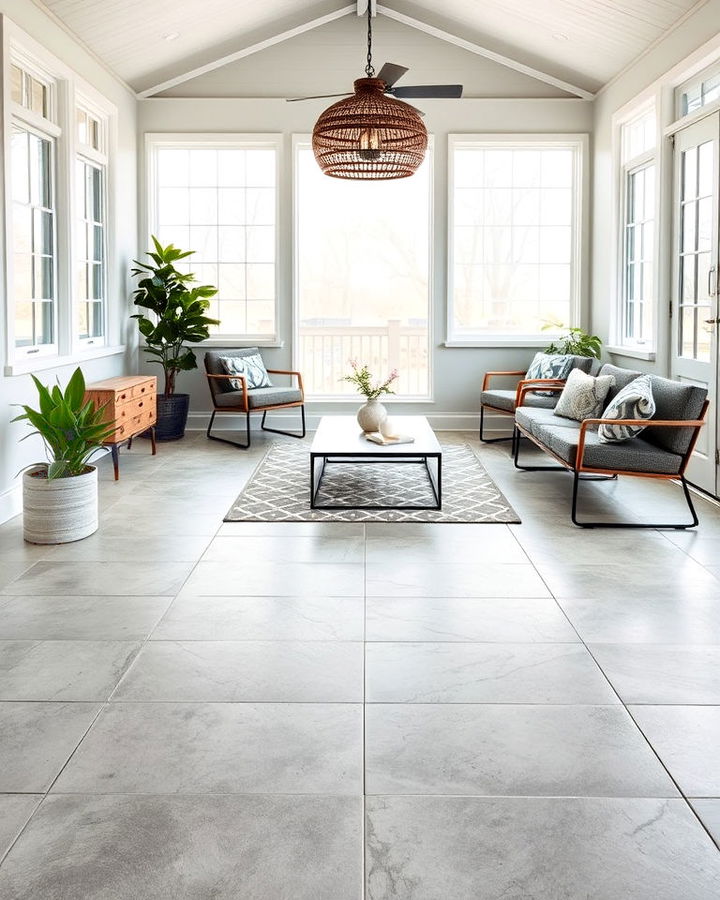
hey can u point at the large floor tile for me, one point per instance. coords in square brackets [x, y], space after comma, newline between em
[287, 549]
[459, 619]
[62, 670]
[292, 529]
[104, 618]
[709, 813]
[241, 671]
[427, 848]
[622, 577]
[157, 848]
[247, 578]
[450, 544]
[686, 738]
[484, 673]
[643, 673]
[115, 521]
[645, 620]
[102, 547]
[263, 619]
[492, 750]
[36, 740]
[10, 570]
[403, 579]
[69, 579]
[194, 748]
[15, 810]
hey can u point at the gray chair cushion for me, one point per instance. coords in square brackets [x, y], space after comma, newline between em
[674, 400]
[622, 378]
[213, 366]
[533, 419]
[500, 399]
[272, 396]
[637, 455]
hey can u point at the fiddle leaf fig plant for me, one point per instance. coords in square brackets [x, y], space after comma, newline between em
[573, 341]
[71, 428]
[178, 311]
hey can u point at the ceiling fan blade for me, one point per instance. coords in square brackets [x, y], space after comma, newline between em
[317, 97]
[431, 91]
[391, 72]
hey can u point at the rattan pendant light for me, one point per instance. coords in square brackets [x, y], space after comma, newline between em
[369, 136]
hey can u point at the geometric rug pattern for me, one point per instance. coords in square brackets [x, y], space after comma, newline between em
[279, 490]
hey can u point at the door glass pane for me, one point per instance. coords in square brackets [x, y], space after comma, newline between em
[687, 332]
[689, 181]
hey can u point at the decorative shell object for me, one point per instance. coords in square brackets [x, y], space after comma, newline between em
[388, 429]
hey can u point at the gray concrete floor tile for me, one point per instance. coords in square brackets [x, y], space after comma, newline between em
[15, 810]
[68, 579]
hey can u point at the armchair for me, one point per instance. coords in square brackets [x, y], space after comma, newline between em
[227, 399]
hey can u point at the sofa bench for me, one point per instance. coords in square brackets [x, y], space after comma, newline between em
[662, 450]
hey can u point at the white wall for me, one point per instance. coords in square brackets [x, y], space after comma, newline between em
[19, 389]
[687, 38]
[457, 372]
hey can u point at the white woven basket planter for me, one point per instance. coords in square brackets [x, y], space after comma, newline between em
[61, 510]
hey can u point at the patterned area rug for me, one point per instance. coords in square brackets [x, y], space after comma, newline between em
[279, 490]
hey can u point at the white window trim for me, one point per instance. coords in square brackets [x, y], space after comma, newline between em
[304, 140]
[696, 80]
[619, 343]
[580, 276]
[20, 47]
[272, 140]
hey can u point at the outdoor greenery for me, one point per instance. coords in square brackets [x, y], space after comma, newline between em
[573, 341]
[362, 379]
[71, 428]
[179, 311]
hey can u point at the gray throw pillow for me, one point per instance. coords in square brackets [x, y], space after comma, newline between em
[252, 367]
[549, 365]
[583, 396]
[634, 401]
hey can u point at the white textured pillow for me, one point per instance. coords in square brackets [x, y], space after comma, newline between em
[634, 401]
[583, 396]
[252, 367]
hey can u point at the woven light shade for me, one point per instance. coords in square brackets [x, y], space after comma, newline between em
[369, 135]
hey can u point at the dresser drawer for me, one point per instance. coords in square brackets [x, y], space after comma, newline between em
[145, 389]
[126, 411]
[135, 425]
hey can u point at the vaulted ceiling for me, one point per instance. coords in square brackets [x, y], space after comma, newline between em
[149, 43]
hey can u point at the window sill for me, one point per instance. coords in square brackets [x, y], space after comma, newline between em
[385, 400]
[502, 342]
[37, 364]
[632, 353]
[239, 342]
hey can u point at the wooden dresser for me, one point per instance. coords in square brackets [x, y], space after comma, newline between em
[131, 407]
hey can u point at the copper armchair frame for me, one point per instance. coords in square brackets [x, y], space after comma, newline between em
[244, 407]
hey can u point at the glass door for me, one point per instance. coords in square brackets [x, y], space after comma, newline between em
[694, 353]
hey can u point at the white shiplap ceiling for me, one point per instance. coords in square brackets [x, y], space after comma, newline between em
[584, 42]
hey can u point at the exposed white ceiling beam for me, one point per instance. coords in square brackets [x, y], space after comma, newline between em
[362, 6]
[488, 54]
[247, 51]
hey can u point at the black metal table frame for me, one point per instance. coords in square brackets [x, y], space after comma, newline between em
[345, 458]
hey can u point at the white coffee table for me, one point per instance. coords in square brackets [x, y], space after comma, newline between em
[339, 440]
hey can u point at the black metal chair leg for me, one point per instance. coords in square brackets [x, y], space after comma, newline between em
[674, 526]
[227, 440]
[482, 436]
[286, 433]
[517, 437]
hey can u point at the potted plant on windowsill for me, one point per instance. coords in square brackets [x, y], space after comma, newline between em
[60, 497]
[572, 341]
[178, 318]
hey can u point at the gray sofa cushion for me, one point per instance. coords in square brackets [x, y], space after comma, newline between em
[674, 400]
[622, 378]
[532, 419]
[272, 396]
[500, 399]
[213, 366]
[637, 455]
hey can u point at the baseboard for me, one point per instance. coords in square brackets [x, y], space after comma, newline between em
[290, 421]
[10, 502]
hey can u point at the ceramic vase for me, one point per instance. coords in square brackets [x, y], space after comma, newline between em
[371, 416]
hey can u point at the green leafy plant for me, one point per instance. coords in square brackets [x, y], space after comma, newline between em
[362, 379]
[178, 311]
[71, 428]
[573, 341]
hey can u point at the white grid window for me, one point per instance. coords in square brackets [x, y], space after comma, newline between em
[638, 139]
[514, 235]
[90, 233]
[220, 201]
[704, 90]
